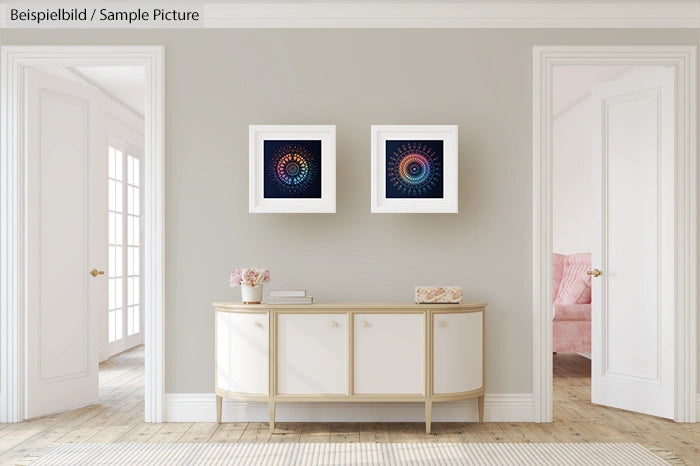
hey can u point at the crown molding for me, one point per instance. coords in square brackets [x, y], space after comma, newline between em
[460, 14]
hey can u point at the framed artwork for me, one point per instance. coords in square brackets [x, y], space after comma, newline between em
[292, 169]
[414, 169]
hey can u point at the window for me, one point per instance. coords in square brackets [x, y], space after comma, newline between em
[124, 309]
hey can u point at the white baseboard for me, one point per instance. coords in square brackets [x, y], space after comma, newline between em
[201, 407]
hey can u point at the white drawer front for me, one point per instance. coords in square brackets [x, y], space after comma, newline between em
[312, 353]
[242, 352]
[389, 353]
[457, 352]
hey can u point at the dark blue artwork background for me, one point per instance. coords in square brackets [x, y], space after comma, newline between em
[272, 189]
[436, 191]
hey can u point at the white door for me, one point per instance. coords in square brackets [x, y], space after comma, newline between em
[633, 244]
[67, 223]
[312, 354]
[389, 353]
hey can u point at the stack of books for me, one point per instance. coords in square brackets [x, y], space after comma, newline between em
[289, 297]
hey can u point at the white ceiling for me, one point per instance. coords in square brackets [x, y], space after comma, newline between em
[572, 84]
[124, 83]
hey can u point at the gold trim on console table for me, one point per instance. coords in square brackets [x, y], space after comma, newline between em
[224, 306]
[350, 310]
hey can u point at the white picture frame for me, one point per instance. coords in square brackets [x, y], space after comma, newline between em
[259, 173]
[384, 201]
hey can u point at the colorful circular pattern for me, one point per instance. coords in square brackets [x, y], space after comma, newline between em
[291, 168]
[413, 169]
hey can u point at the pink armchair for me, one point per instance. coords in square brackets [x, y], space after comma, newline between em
[571, 289]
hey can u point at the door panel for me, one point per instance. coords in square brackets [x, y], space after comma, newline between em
[312, 353]
[633, 290]
[457, 352]
[242, 352]
[62, 221]
[62, 209]
[633, 303]
[389, 353]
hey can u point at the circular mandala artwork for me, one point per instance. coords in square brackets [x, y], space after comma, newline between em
[292, 169]
[413, 169]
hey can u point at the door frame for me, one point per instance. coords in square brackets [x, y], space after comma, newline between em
[14, 61]
[683, 58]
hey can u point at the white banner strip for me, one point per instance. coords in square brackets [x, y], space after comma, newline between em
[358, 14]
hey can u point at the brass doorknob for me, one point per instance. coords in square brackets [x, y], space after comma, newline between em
[95, 272]
[595, 273]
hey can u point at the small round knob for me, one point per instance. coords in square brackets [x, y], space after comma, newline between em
[365, 324]
[95, 272]
[256, 324]
[443, 323]
[334, 324]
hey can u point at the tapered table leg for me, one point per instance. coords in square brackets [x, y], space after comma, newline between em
[428, 415]
[218, 409]
[272, 416]
[481, 408]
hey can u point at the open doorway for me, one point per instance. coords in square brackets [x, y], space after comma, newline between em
[643, 230]
[572, 225]
[647, 260]
[85, 143]
[71, 88]
[613, 235]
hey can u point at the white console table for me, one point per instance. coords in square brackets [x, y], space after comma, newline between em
[362, 352]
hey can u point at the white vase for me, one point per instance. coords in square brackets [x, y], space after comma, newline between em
[251, 294]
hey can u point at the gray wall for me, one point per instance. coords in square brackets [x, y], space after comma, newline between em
[220, 81]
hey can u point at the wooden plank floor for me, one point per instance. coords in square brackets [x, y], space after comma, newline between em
[119, 418]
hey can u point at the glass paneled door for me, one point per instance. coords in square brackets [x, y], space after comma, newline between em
[124, 311]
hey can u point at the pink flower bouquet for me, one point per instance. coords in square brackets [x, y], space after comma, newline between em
[249, 277]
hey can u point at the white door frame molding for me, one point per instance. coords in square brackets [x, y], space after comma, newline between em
[683, 58]
[14, 60]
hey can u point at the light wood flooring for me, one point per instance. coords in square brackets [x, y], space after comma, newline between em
[119, 418]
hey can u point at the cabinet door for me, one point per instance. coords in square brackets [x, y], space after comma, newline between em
[457, 352]
[389, 353]
[242, 352]
[312, 353]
